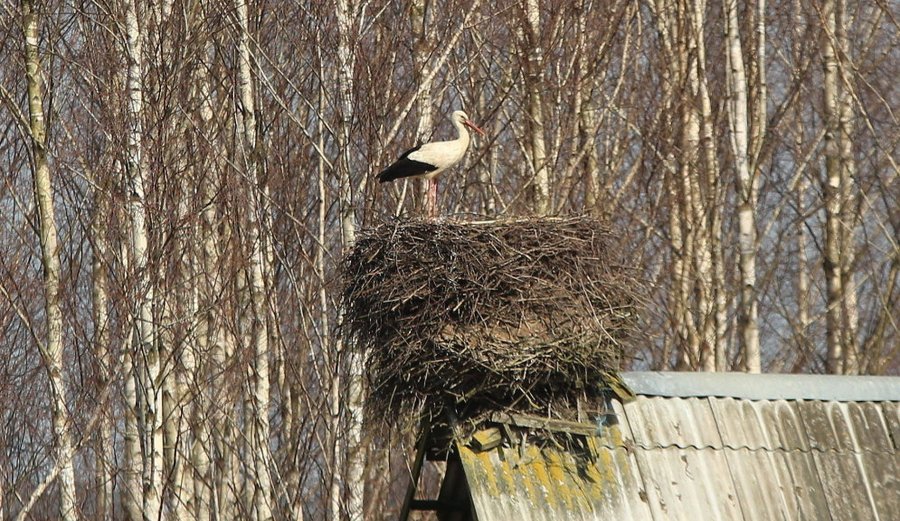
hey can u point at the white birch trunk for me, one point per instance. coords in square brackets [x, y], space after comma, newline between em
[758, 130]
[147, 363]
[849, 219]
[834, 296]
[679, 232]
[208, 341]
[208, 484]
[421, 26]
[132, 494]
[591, 163]
[759, 118]
[328, 344]
[355, 454]
[804, 347]
[176, 293]
[344, 13]
[692, 203]
[259, 334]
[712, 303]
[105, 474]
[52, 351]
[803, 318]
[181, 301]
[534, 84]
[356, 450]
[586, 119]
[679, 291]
[690, 141]
[222, 436]
[738, 126]
[701, 186]
[168, 293]
[718, 322]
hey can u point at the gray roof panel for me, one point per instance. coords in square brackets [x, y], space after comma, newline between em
[850, 427]
[769, 425]
[766, 386]
[891, 412]
[777, 485]
[846, 488]
[688, 484]
[664, 422]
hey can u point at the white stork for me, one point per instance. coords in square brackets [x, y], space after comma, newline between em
[428, 160]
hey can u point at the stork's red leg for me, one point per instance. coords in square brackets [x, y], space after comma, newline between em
[430, 205]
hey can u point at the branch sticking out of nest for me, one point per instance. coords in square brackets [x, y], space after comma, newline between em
[486, 316]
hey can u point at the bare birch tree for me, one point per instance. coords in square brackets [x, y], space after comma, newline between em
[260, 489]
[534, 80]
[101, 341]
[52, 348]
[420, 15]
[146, 363]
[692, 182]
[849, 211]
[834, 178]
[348, 15]
[746, 189]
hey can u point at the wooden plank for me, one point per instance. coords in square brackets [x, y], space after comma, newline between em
[486, 439]
[536, 422]
[421, 447]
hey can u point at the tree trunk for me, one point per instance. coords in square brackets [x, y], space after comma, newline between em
[535, 83]
[212, 494]
[711, 269]
[132, 494]
[347, 201]
[355, 455]
[420, 17]
[52, 351]
[802, 342]
[258, 414]
[326, 341]
[834, 297]
[146, 362]
[701, 182]
[586, 118]
[803, 319]
[748, 322]
[105, 474]
[848, 211]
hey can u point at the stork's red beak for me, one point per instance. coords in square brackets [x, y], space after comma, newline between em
[474, 127]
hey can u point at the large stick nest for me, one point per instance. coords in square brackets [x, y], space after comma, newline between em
[486, 316]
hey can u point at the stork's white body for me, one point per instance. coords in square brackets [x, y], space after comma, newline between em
[442, 154]
[428, 160]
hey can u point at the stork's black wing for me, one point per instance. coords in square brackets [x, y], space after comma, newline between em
[405, 167]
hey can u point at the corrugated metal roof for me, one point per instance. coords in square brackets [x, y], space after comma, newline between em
[662, 422]
[766, 386]
[704, 457]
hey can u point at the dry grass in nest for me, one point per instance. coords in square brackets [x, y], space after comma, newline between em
[475, 317]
